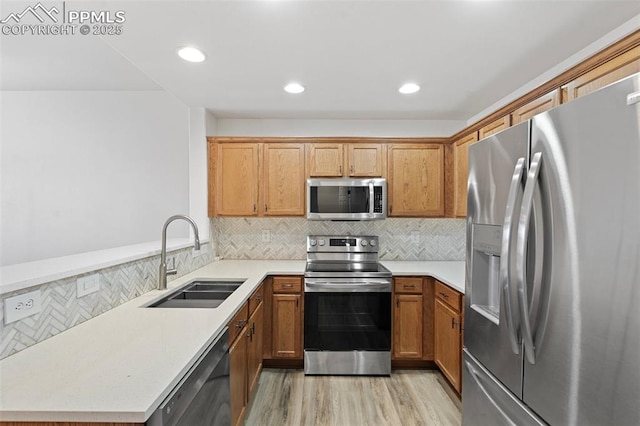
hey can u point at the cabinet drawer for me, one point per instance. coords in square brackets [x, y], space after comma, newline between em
[408, 285]
[256, 298]
[449, 296]
[238, 322]
[287, 284]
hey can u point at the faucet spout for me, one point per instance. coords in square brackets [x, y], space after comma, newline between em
[162, 281]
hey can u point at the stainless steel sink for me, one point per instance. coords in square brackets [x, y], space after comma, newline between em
[198, 294]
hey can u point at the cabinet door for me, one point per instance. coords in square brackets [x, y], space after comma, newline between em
[325, 159]
[460, 173]
[541, 104]
[617, 68]
[236, 186]
[254, 351]
[287, 326]
[416, 180]
[448, 348]
[284, 180]
[407, 326]
[495, 127]
[238, 377]
[365, 159]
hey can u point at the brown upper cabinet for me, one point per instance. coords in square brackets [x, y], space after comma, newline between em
[495, 127]
[611, 71]
[345, 159]
[254, 179]
[284, 179]
[236, 179]
[541, 104]
[416, 180]
[460, 173]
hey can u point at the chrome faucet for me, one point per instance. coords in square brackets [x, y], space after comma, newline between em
[162, 283]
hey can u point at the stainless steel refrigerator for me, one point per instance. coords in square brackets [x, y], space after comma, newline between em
[552, 319]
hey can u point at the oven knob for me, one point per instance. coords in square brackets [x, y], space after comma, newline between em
[321, 242]
[372, 243]
[363, 243]
[312, 243]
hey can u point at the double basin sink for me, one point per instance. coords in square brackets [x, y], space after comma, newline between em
[198, 294]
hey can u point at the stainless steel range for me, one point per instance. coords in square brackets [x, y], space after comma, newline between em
[347, 315]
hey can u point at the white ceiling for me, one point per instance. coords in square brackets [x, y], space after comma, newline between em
[351, 55]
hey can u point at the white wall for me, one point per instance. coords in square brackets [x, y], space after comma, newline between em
[617, 34]
[198, 189]
[85, 171]
[319, 128]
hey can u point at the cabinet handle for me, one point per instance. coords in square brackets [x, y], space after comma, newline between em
[297, 302]
[340, 169]
[390, 209]
[259, 297]
[266, 208]
[351, 168]
[254, 208]
[287, 285]
[409, 285]
[446, 296]
[453, 323]
[241, 323]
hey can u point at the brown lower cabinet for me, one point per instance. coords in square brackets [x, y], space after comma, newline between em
[448, 331]
[245, 354]
[412, 328]
[284, 320]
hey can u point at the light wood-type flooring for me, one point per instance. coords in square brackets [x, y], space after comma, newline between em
[408, 397]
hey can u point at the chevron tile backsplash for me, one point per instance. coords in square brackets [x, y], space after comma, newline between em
[400, 238]
[61, 309]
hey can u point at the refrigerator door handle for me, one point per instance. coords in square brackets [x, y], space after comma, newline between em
[521, 255]
[475, 376]
[505, 255]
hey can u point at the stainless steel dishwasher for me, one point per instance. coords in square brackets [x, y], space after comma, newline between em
[203, 396]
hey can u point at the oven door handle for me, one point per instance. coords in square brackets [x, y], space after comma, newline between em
[346, 286]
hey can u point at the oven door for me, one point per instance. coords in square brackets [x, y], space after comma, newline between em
[347, 326]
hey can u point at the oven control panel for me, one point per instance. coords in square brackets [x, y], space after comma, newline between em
[348, 244]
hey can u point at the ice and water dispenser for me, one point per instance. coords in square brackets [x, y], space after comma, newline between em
[485, 269]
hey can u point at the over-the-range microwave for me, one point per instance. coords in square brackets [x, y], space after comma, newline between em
[347, 199]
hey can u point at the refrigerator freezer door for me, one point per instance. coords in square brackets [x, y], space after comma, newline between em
[585, 326]
[488, 402]
[495, 165]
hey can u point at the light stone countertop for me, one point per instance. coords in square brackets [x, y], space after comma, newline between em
[119, 366]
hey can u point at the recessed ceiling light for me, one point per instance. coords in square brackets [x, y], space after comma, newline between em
[408, 88]
[294, 88]
[191, 54]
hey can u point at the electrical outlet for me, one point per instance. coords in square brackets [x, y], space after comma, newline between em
[87, 285]
[22, 306]
[415, 237]
[266, 235]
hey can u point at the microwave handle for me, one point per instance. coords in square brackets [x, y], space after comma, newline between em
[372, 199]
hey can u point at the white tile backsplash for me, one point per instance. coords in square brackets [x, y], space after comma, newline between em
[400, 239]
